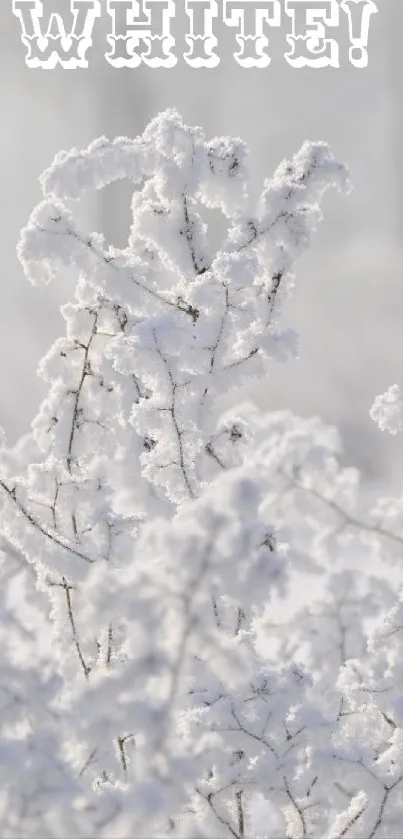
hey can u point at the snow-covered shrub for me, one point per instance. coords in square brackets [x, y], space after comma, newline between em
[156, 537]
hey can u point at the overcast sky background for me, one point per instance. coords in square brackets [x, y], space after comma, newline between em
[348, 303]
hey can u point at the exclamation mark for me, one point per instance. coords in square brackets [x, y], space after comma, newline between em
[359, 13]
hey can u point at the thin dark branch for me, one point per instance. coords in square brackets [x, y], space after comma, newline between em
[39, 527]
[241, 818]
[86, 669]
[77, 396]
[348, 519]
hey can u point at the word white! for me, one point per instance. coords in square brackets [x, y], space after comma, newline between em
[141, 32]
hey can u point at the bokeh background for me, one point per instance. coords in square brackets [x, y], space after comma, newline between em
[348, 302]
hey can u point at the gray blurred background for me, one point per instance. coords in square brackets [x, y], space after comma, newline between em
[348, 302]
